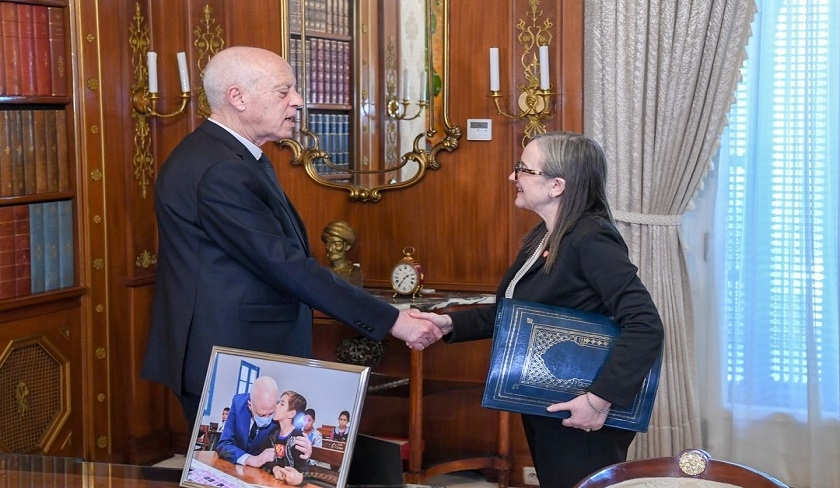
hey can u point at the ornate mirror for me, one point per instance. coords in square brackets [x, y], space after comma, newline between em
[375, 82]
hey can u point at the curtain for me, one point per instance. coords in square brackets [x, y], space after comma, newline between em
[773, 382]
[659, 79]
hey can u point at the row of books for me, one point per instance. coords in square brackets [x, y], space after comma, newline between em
[328, 69]
[329, 16]
[33, 49]
[36, 248]
[33, 152]
[333, 130]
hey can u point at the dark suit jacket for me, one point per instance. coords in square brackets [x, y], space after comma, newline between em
[234, 440]
[234, 266]
[592, 273]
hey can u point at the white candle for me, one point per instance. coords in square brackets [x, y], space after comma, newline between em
[405, 85]
[424, 81]
[494, 69]
[151, 57]
[182, 72]
[544, 84]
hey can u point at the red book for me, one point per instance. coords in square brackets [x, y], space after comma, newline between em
[58, 52]
[14, 123]
[41, 34]
[23, 265]
[27, 50]
[11, 47]
[7, 252]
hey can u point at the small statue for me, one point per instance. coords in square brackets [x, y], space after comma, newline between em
[338, 238]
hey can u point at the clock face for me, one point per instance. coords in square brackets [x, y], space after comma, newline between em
[405, 278]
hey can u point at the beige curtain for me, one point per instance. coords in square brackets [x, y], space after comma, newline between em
[659, 80]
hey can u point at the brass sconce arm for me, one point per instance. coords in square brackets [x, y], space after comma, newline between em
[144, 104]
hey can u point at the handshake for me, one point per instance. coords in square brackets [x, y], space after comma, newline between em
[419, 329]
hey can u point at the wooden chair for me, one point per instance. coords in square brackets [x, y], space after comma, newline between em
[691, 468]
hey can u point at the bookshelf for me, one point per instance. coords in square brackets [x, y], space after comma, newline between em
[320, 50]
[36, 178]
[40, 299]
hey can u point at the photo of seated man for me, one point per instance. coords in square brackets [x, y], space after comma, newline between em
[249, 425]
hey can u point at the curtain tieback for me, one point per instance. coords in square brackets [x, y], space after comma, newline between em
[646, 219]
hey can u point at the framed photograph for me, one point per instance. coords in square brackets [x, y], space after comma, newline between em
[269, 420]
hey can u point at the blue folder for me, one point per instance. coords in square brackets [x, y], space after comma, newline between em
[543, 354]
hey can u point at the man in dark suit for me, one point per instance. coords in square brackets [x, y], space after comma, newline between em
[234, 264]
[250, 424]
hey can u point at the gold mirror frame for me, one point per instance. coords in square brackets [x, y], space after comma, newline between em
[426, 145]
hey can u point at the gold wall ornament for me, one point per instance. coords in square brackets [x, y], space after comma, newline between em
[145, 259]
[96, 175]
[209, 40]
[143, 161]
[534, 101]
[22, 398]
[98, 264]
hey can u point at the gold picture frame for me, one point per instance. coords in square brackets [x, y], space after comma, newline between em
[331, 389]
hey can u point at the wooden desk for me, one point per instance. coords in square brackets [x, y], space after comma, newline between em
[248, 474]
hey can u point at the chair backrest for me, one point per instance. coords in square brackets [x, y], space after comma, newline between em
[691, 464]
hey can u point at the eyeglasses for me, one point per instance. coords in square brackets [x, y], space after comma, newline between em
[520, 167]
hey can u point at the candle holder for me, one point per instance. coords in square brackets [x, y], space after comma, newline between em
[534, 101]
[397, 109]
[144, 104]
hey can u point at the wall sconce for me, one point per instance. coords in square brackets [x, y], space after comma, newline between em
[397, 109]
[534, 101]
[145, 98]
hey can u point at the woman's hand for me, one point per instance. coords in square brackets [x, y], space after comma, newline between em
[588, 411]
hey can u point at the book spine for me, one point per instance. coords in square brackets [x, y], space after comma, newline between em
[58, 51]
[27, 129]
[39, 129]
[51, 264]
[51, 151]
[7, 252]
[23, 270]
[2, 53]
[41, 35]
[16, 146]
[62, 148]
[6, 175]
[66, 257]
[26, 44]
[36, 246]
[11, 47]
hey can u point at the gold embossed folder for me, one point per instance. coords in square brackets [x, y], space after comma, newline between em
[543, 354]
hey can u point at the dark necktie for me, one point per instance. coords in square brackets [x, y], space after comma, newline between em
[253, 433]
[265, 164]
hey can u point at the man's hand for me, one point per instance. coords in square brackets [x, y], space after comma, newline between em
[443, 321]
[303, 446]
[417, 333]
[260, 459]
[288, 474]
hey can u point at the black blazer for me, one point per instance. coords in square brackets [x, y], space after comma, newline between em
[234, 266]
[593, 273]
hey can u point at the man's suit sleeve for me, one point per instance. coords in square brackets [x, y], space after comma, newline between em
[236, 428]
[241, 214]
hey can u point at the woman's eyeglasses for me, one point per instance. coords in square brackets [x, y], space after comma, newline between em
[519, 167]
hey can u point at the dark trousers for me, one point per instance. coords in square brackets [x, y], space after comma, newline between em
[563, 456]
[189, 404]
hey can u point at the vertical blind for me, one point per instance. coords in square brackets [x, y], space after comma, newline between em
[778, 215]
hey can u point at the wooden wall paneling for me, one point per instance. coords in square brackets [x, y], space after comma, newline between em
[41, 362]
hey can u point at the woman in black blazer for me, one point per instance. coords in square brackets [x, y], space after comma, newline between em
[574, 258]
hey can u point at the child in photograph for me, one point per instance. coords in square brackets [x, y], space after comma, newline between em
[291, 446]
[341, 432]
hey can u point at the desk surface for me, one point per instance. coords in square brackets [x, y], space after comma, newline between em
[29, 470]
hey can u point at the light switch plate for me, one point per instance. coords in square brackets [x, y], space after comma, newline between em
[479, 129]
